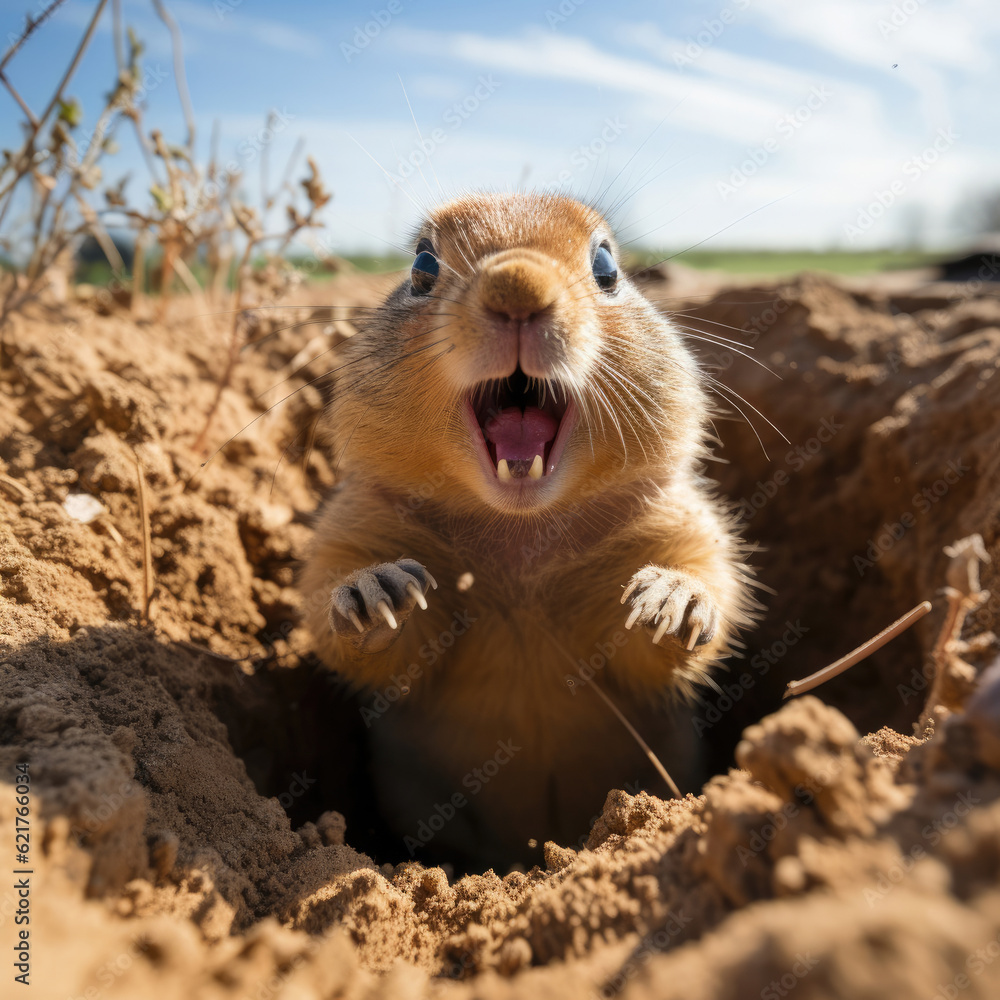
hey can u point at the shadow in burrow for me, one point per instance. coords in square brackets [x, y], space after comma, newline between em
[812, 514]
[135, 738]
[806, 508]
[300, 733]
[116, 709]
[845, 547]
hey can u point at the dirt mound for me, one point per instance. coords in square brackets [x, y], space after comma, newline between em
[200, 823]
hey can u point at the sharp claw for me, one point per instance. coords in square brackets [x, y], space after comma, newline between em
[693, 641]
[356, 621]
[431, 580]
[628, 590]
[630, 621]
[383, 608]
[414, 591]
[661, 631]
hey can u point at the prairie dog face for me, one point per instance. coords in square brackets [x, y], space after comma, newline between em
[519, 362]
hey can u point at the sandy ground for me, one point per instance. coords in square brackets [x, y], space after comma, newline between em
[199, 822]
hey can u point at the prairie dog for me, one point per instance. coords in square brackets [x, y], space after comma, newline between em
[521, 513]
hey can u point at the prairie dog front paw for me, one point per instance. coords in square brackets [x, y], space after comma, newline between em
[371, 606]
[672, 602]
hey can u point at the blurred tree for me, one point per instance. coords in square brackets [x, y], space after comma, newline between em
[980, 213]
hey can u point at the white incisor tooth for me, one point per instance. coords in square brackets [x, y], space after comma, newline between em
[537, 468]
[503, 471]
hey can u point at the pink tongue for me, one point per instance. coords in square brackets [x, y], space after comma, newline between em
[521, 436]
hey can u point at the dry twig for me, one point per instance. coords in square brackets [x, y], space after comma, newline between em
[861, 653]
[147, 539]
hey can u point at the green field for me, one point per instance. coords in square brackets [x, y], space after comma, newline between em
[378, 264]
[767, 263]
[781, 262]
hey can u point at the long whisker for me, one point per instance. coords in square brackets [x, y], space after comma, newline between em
[730, 389]
[723, 342]
[628, 420]
[310, 430]
[430, 161]
[704, 319]
[413, 201]
[364, 412]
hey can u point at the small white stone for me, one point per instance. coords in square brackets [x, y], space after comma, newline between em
[83, 507]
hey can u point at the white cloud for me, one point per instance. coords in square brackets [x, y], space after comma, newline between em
[945, 35]
[270, 33]
[196, 22]
[714, 60]
[703, 106]
[556, 89]
[919, 48]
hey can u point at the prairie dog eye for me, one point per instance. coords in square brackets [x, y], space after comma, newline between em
[605, 269]
[425, 269]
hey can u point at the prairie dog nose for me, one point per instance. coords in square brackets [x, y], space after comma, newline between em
[518, 283]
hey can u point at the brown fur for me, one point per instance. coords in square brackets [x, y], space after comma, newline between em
[548, 571]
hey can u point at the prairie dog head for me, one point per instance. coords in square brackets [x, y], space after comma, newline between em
[517, 366]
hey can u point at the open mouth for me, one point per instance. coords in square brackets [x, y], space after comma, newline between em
[520, 425]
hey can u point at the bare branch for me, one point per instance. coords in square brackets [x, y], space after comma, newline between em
[30, 27]
[181, 79]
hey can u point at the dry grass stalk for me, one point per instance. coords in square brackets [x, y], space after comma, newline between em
[863, 651]
[193, 213]
[148, 582]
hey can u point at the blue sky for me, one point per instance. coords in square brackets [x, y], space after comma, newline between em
[779, 123]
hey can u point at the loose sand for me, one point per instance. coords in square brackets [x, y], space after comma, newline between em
[191, 774]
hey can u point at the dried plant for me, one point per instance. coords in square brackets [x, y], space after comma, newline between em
[194, 213]
[58, 172]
